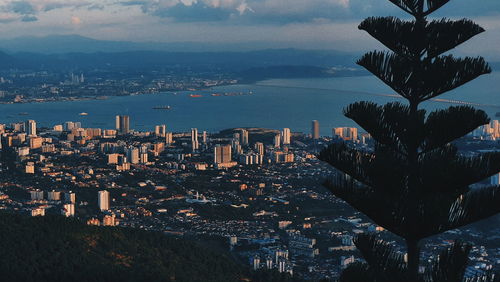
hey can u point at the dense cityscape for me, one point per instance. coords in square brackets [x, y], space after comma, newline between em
[254, 192]
[30, 86]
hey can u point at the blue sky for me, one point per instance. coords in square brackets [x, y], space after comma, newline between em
[314, 24]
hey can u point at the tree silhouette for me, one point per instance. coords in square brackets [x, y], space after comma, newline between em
[415, 183]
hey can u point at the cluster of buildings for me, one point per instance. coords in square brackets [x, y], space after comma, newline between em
[47, 86]
[490, 131]
[256, 187]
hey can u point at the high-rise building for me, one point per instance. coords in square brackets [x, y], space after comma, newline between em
[133, 155]
[277, 141]
[256, 262]
[103, 200]
[36, 142]
[68, 210]
[36, 195]
[123, 125]
[244, 137]
[204, 138]
[169, 138]
[237, 149]
[144, 155]
[54, 196]
[69, 125]
[30, 127]
[70, 197]
[195, 145]
[160, 130]
[315, 130]
[286, 136]
[346, 133]
[259, 147]
[222, 154]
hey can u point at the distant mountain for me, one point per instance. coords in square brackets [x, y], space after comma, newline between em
[57, 44]
[148, 60]
[291, 71]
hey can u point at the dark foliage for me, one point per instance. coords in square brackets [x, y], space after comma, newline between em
[53, 248]
[415, 183]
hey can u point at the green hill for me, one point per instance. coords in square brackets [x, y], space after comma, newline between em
[53, 248]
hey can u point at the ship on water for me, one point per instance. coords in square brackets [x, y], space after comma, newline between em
[162, 108]
[83, 114]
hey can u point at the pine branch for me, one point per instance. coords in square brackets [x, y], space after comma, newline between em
[386, 209]
[433, 5]
[444, 35]
[347, 160]
[474, 206]
[423, 80]
[444, 126]
[451, 264]
[409, 6]
[369, 168]
[410, 39]
[447, 73]
[386, 124]
[460, 172]
[386, 264]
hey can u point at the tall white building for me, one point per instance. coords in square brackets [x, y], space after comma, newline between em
[103, 200]
[244, 137]
[195, 145]
[222, 154]
[133, 155]
[286, 136]
[277, 141]
[315, 130]
[204, 138]
[31, 127]
[122, 124]
[260, 148]
[160, 130]
[169, 138]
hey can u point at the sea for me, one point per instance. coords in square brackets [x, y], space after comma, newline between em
[273, 104]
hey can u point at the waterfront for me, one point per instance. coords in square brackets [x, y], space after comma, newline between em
[273, 104]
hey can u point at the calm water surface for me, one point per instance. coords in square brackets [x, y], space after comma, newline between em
[274, 104]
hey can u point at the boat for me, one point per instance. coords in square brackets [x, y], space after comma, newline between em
[162, 108]
[195, 96]
[216, 94]
[83, 114]
[23, 114]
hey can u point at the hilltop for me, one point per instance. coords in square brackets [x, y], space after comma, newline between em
[53, 248]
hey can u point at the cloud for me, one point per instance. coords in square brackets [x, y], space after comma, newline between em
[28, 10]
[244, 10]
[29, 18]
[192, 10]
[76, 20]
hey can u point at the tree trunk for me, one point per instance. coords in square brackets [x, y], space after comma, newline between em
[413, 259]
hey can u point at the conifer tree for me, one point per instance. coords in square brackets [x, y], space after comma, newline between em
[415, 183]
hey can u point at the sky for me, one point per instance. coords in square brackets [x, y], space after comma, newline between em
[311, 24]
